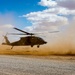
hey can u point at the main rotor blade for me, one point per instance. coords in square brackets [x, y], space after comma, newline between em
[15, 34]
[24, 31]
[54, 32]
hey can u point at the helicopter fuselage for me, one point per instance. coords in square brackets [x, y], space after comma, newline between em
[29, 40]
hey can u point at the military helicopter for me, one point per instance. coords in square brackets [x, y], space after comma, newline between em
[29, 40]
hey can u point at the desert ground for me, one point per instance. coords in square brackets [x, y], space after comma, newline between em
[34, 65]
[32, 61]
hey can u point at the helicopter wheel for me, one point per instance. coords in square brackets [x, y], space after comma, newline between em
[31, 45]
[37, 46]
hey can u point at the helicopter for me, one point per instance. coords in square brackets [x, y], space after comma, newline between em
[29, 40]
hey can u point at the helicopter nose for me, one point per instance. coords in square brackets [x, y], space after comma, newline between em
[45, 42]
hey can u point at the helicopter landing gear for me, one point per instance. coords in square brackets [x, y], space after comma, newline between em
[31, 45]
[12, 47]
[37, 46]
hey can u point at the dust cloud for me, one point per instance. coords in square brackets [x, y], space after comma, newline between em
[62, 43]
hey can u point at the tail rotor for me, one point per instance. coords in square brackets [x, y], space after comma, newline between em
[5, 38]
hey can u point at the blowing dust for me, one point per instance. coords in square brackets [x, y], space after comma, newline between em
[62, 43]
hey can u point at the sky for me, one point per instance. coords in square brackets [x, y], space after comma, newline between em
[39, 16]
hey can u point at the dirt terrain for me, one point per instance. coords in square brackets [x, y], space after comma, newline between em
[34, 61]
[34, 65]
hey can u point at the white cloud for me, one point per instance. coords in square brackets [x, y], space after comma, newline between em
[28, 28]
[56, 15]
[6, 26]
[65, 11]
[48, 3]
[70, 4]
[63, 7]
[44, 20]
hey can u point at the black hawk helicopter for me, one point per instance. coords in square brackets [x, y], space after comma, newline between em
[30, 40]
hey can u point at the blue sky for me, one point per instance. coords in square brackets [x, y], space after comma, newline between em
[18, 8]
[37, 15]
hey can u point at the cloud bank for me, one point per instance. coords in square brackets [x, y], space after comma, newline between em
[57, 14]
